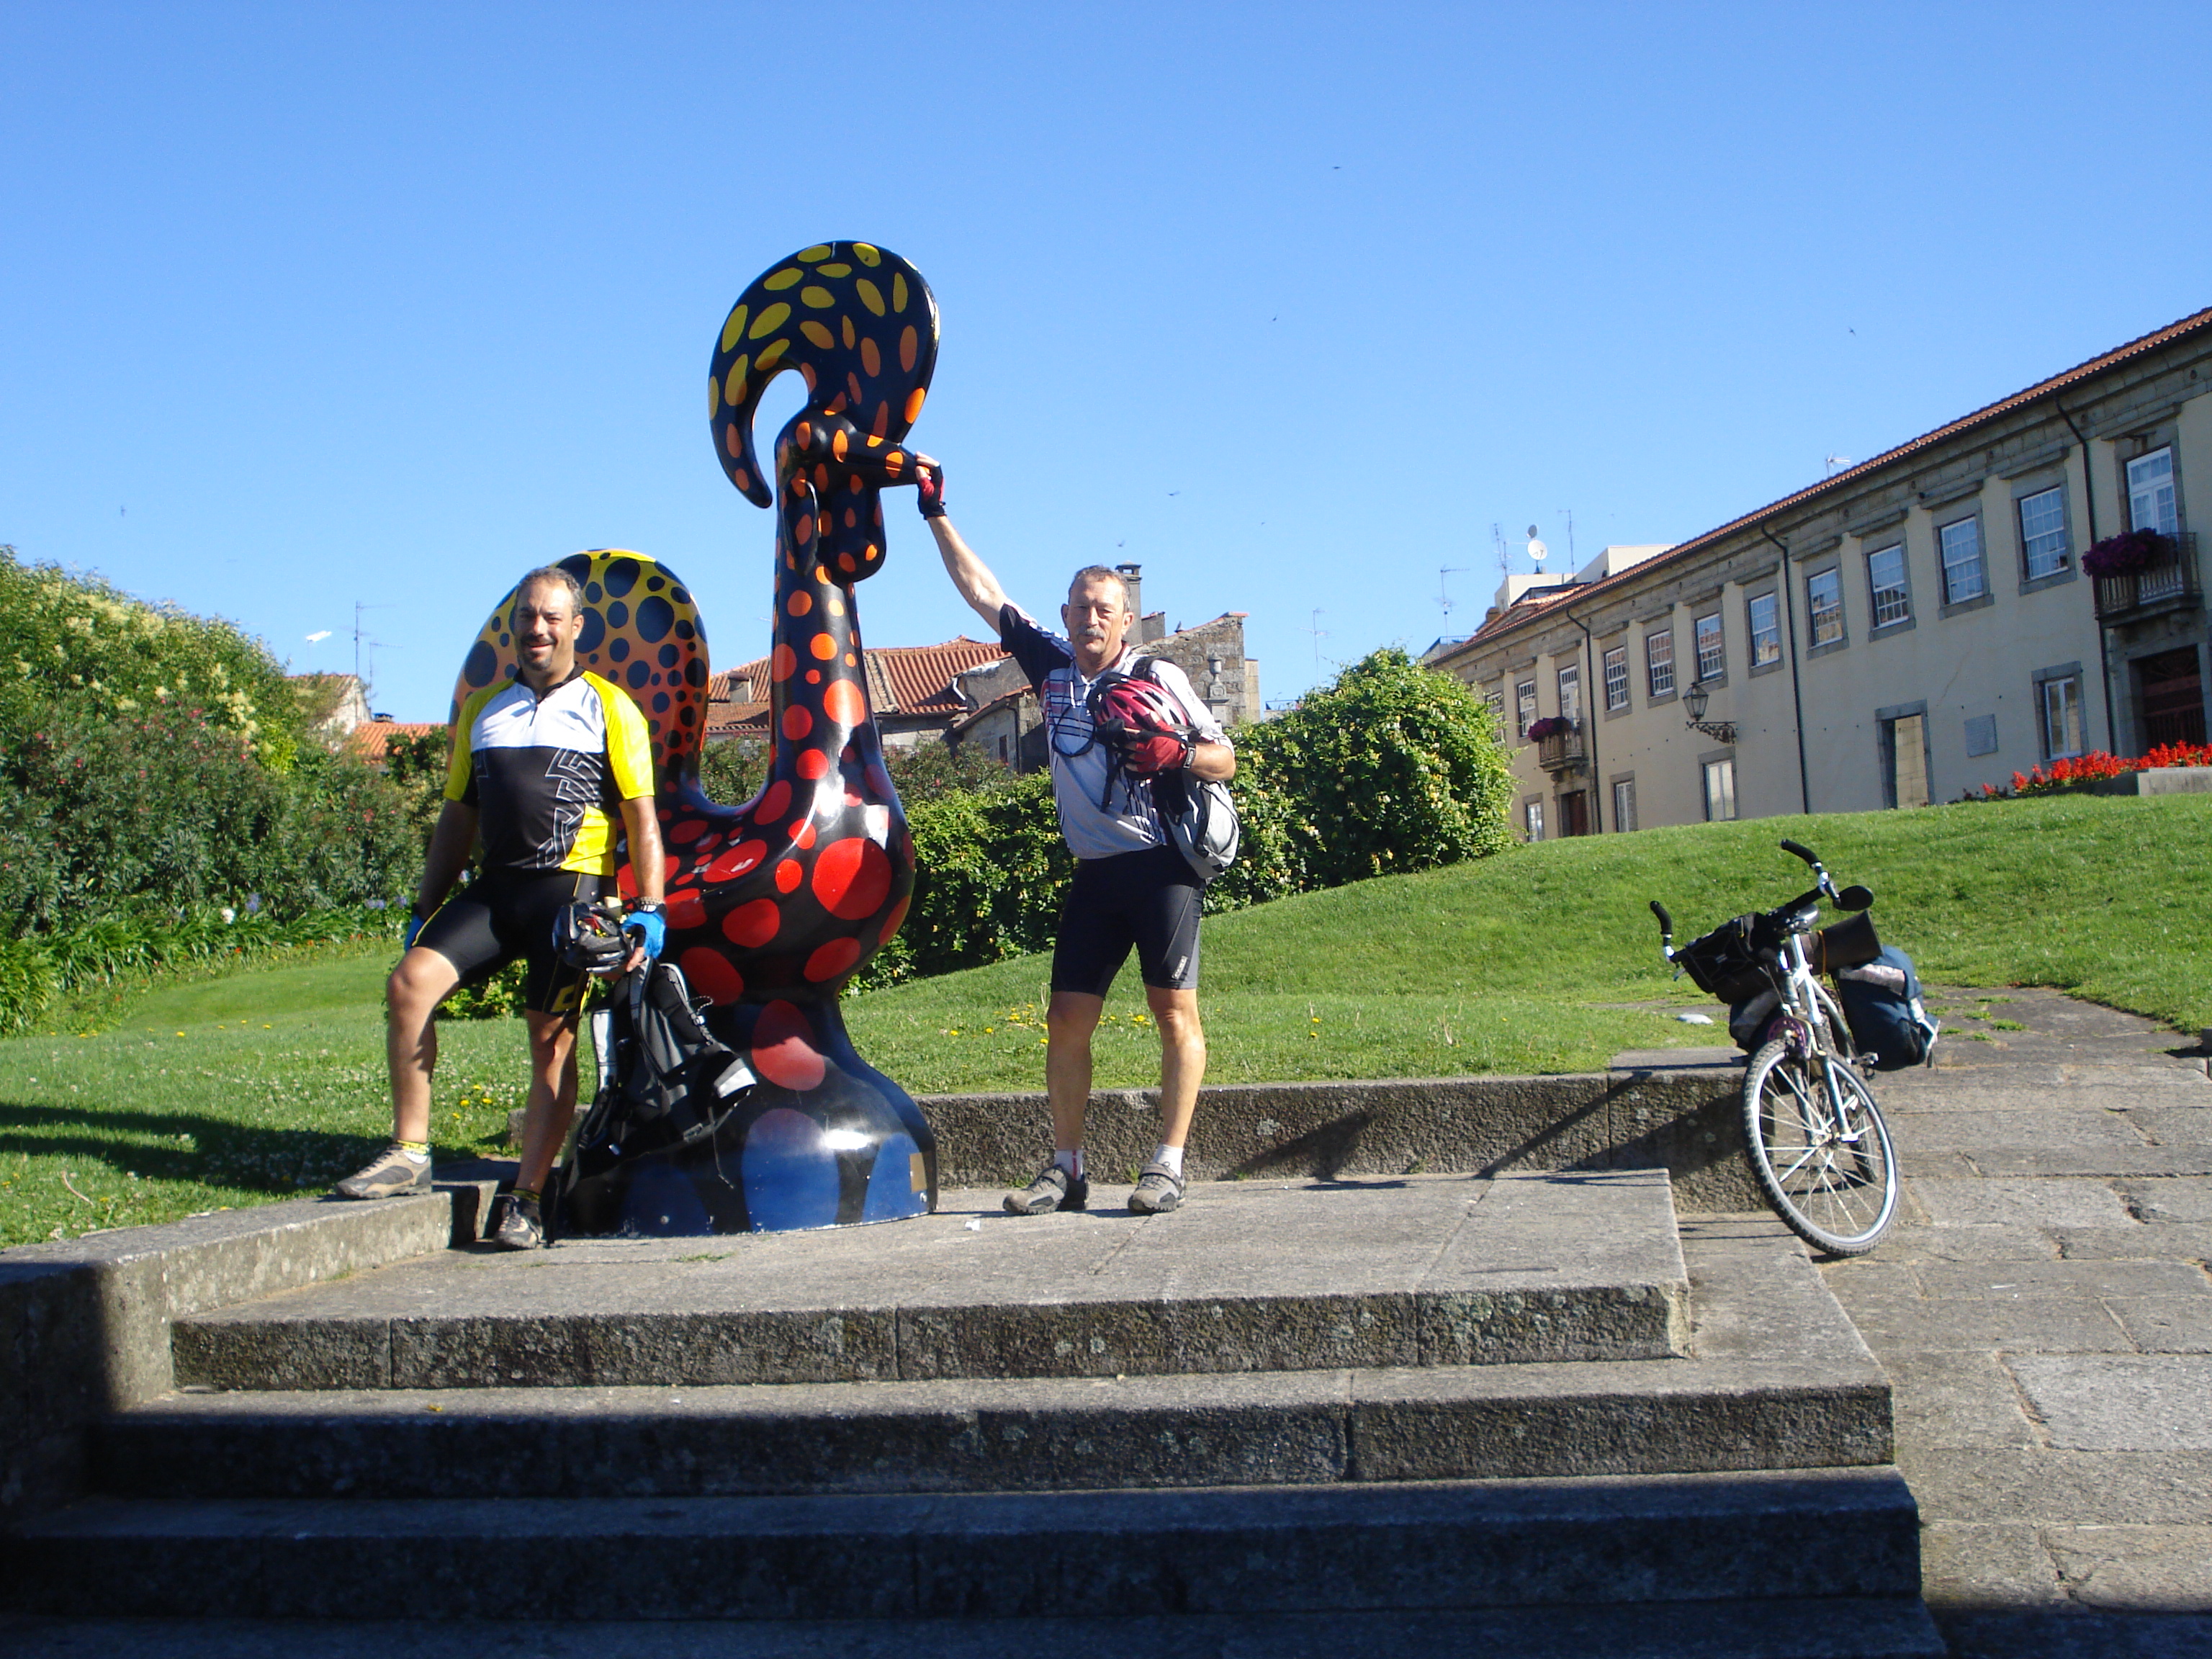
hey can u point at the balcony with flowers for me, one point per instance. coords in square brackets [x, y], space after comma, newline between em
[1558, 740]
[2142, 573]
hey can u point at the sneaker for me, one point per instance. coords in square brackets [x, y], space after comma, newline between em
[1159, 1189]
[394, 1175]
[523, 1226]
[1056, 1189]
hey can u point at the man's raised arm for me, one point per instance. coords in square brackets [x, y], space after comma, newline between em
[970, 573]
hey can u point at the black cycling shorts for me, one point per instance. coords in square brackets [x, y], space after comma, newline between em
[509, 913]
[1149, 899]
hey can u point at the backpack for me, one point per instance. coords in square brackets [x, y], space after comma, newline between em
[1198, 814]
[665, 1079]
[1882, 1006]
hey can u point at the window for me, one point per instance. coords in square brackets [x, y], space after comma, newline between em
[1892, 600]
[1712, 653]
[1659, 661]
[1824, 605]
[1624, 805]
[1535, 812]
[1766, 631]
[1962, 560]
[1616, 678]
[1524, 702]
[2043, 533]
[1571, 692]
[1495, 697]
[1720, 790]
[2062, 717]
[2150, 493]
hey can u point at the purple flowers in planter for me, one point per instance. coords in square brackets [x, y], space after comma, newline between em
[1552, 725]
[2128, 553]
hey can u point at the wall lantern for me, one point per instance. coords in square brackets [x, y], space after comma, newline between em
[1695, 700]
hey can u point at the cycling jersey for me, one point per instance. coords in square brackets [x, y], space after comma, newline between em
[549, 774]
[1103, 812]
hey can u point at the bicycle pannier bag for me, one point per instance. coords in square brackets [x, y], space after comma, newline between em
[1723, 964]
[1881, 1005]
[1845, 944]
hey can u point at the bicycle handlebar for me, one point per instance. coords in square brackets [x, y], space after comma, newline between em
[1799, 849]
[1666, 921]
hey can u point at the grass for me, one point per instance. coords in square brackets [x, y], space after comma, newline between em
[268, 1083]
[220, 1093]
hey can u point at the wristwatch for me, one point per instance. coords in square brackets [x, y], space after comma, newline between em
[650, 907]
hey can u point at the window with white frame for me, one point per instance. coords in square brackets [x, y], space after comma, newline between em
[1524, 705]
[1616, 678]
[1824, 605]
[2151, 504]
[1720, 790]
[1893, 600]
[1495, 697]
[1764, 617]
[1712, 652]
[1624, 805]
[2043, 533]
[1659, 660]
[1571, 691]
[2062, 717]
[1961, 541]
[1533, 812]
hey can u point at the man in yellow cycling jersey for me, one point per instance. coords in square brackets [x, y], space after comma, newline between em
[542, 765]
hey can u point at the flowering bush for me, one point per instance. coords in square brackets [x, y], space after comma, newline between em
[1552, 725]
[2080, 770]
[2127, 553]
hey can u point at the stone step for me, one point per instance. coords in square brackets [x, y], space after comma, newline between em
[1777, 1378]
[1829, 1628]
[1848, 1534]
[1246, 1276]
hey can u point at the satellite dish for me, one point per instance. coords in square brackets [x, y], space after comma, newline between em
[1537, 551]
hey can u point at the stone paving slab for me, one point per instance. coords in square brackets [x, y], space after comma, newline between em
[1246, 1275]
[1820, 1628]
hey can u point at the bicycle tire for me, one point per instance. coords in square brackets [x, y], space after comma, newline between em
[1835, 1190]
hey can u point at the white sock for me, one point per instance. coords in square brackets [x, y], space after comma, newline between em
[1169, 1158]
[1071, 1162]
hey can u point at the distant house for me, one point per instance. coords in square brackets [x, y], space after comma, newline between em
[334, 703]
[372, 739]
[967, 692]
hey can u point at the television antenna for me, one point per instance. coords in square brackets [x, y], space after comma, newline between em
[361, 638]
[1537, 551]
[1570, 512]
[1497, 540]
[1444, 594]
[1319, 633]
[1831, 464]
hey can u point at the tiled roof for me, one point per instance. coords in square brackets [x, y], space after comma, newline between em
[902, 679]
[370, 739]
[1531, 604]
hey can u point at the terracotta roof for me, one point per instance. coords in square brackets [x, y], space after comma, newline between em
[1529, 604]
[370, 739]
[902, 679]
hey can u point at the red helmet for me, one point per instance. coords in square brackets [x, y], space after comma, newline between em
[1142, 723]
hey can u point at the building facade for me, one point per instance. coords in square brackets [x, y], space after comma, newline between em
[1916, 627]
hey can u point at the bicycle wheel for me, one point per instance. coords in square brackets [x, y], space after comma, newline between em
[1833, 1182]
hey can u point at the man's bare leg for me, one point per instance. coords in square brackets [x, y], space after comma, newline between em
[422, 980]
[551, 1106]
[1182, 1060]
[1070, 1018]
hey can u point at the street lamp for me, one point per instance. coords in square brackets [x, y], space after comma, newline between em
[1695, 700]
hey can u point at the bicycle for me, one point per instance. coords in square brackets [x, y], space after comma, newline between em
[1812, 1129]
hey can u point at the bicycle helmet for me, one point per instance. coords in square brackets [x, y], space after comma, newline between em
[589, 937]
[1140, 723]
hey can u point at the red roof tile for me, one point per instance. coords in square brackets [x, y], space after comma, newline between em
[370, 739]
[918, 677]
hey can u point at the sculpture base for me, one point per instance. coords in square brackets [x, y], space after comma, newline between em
[820, 1138]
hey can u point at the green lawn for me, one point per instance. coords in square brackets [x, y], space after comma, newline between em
[242, 1089]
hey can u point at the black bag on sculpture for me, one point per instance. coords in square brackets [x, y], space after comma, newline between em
[665, 1079]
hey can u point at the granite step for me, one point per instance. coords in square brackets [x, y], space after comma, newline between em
[1833, 1627]
[1247, 1276]
[1850, 1534]
[1775, 1377]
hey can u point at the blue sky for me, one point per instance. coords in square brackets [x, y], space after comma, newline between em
[307, 306]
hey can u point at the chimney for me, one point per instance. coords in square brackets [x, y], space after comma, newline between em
[1133, 581]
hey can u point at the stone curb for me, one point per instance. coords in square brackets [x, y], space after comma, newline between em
[84, 1323]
